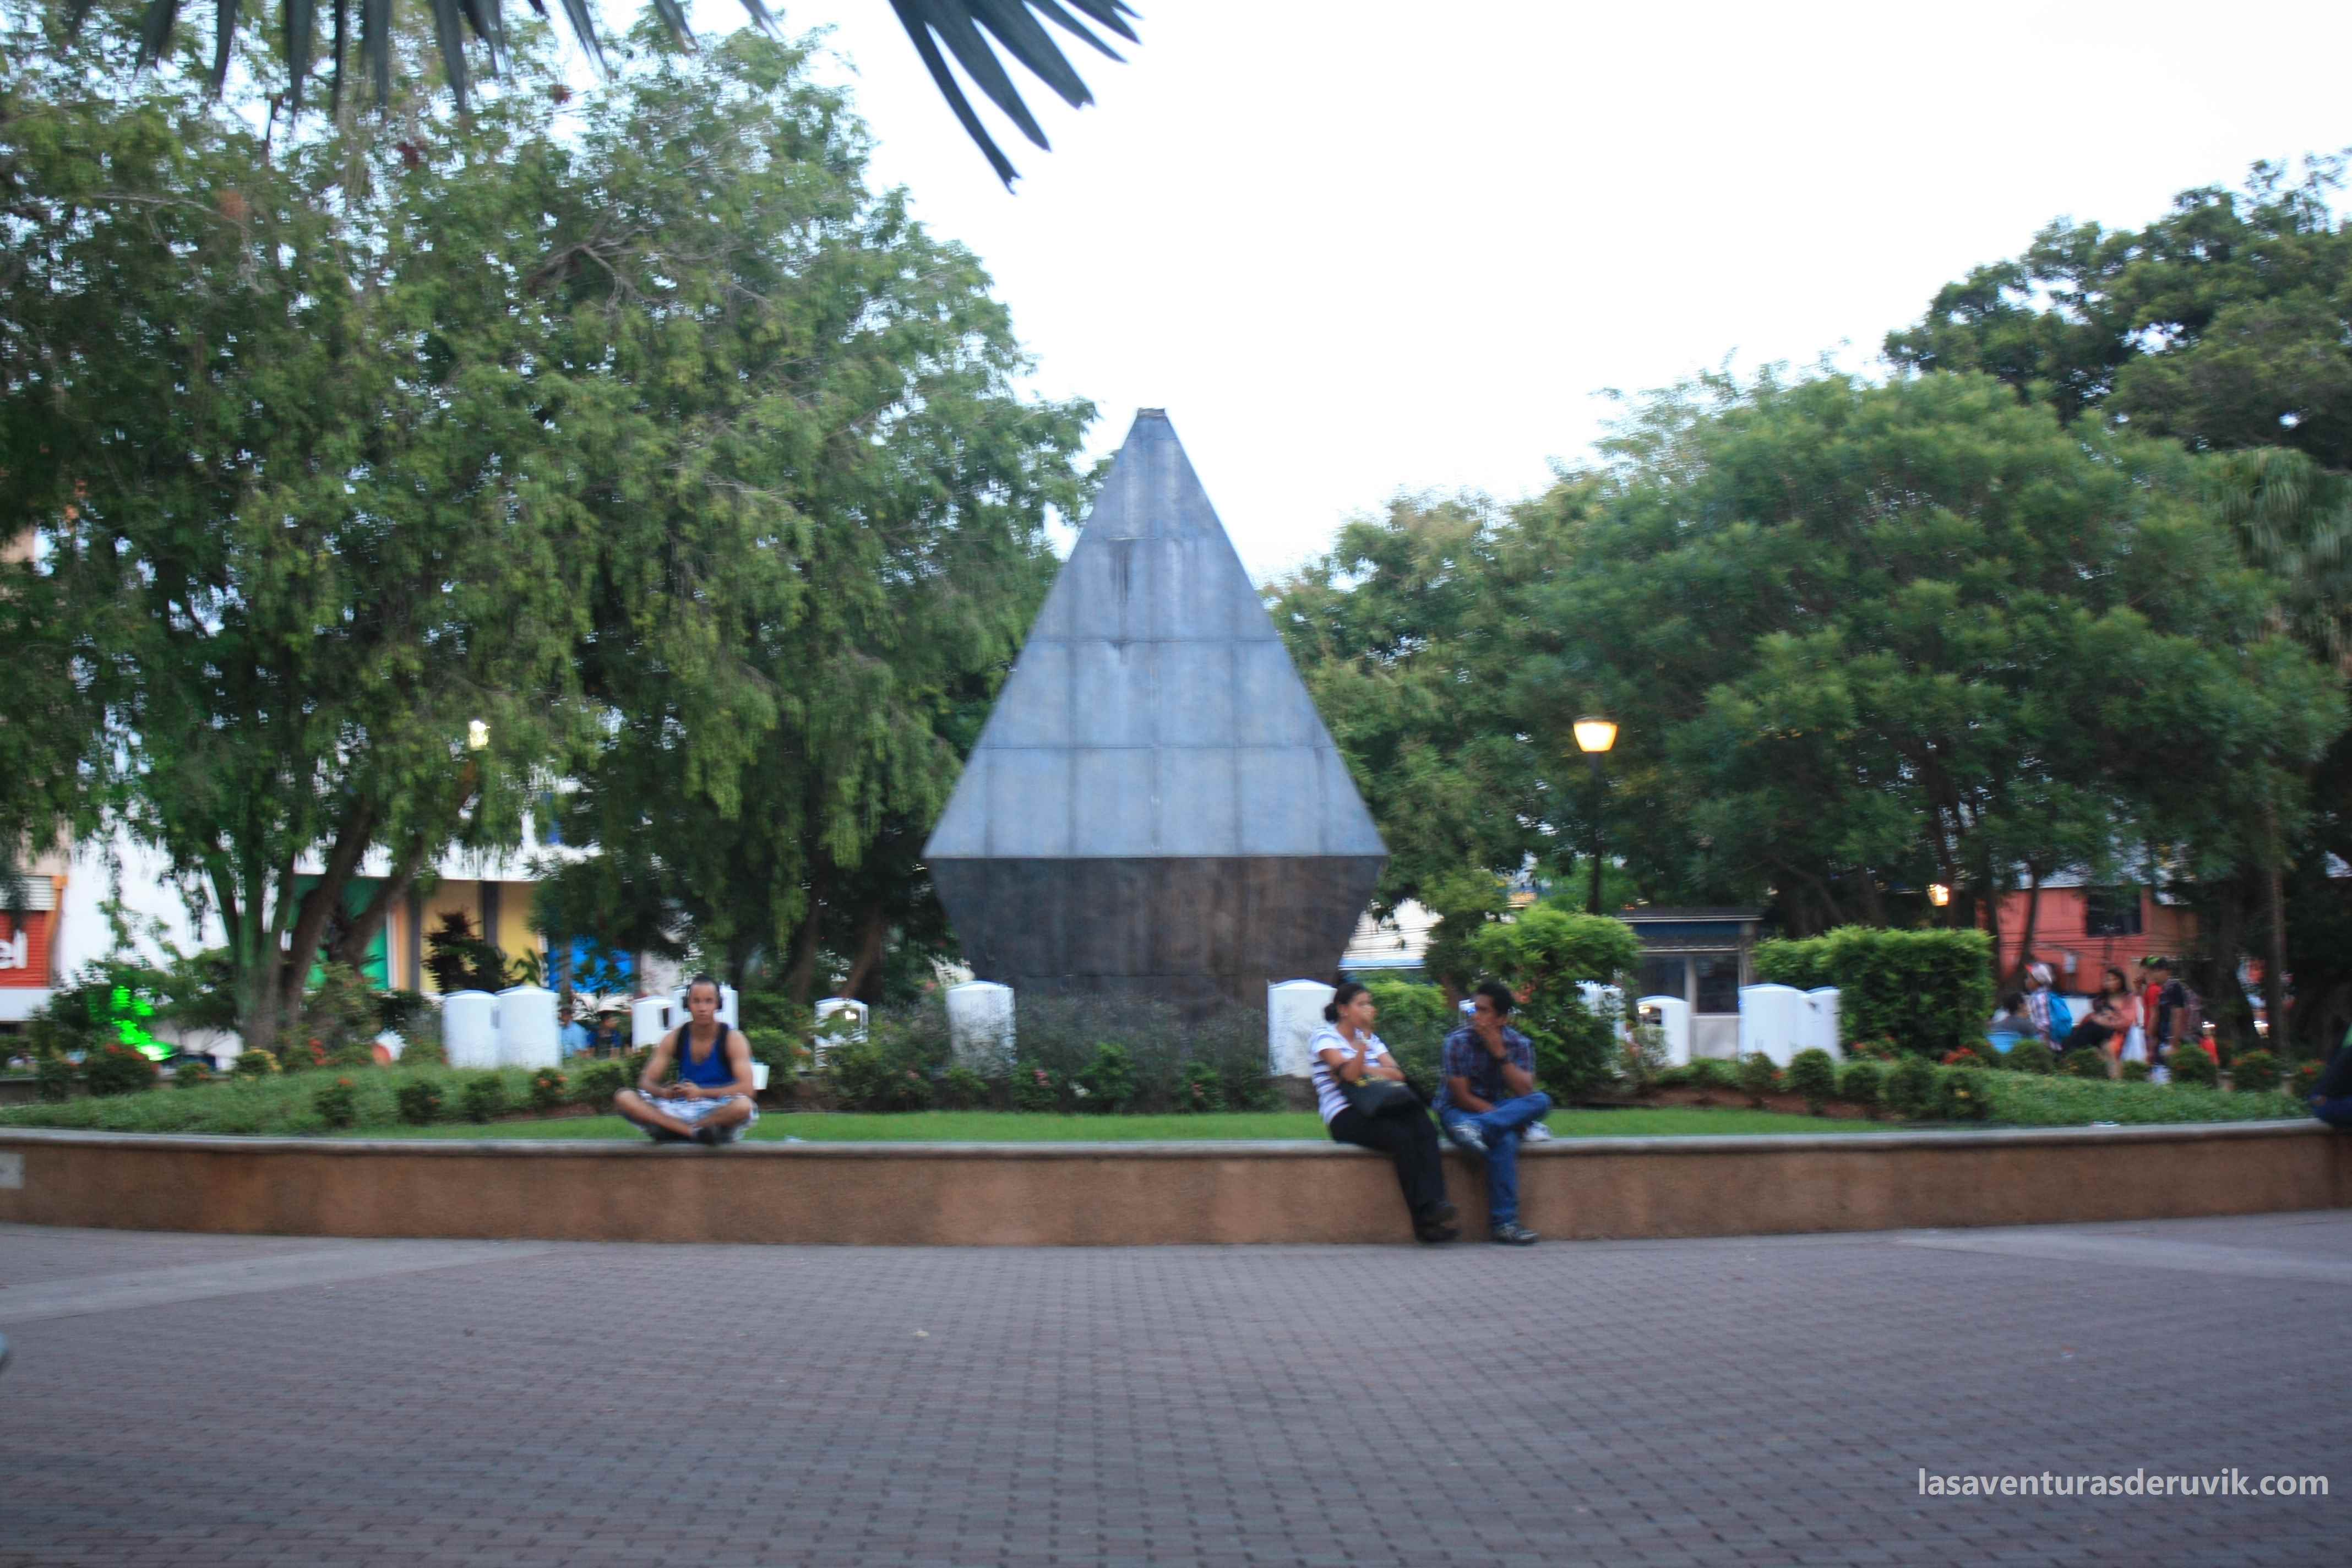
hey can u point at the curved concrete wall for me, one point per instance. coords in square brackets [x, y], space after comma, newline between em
[1137, 1195]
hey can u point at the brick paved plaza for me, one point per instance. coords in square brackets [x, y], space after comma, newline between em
[182, 1399]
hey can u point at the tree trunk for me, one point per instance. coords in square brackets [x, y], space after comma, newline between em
[1991, 899]
[2033, 919]
[2274, 1003]
[800, 981]
[868, 962]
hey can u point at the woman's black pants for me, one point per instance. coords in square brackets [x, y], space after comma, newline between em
[2088, 1036]
[1408, 1137]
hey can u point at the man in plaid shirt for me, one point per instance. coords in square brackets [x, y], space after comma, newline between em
[1488, 1101]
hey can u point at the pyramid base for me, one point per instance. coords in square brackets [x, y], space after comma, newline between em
[1196, 933]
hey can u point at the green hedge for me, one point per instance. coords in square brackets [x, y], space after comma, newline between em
[1542, 955]
[1929, 991]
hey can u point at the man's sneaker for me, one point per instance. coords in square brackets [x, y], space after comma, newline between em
[1511, 1233]
[1468, 1137]
[710, 1137]
[1537, 1132]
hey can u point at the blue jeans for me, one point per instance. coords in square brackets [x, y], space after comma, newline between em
[2334, 1113]
[1502, 1127]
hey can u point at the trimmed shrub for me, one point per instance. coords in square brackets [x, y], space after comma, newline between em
[1034, 1088]
[1108, 1084]
[1757, 1076]
[1927, 991]
[419, 1102]
[597, 1083]
[117, 1070]
[2303, 1082]
[253, 1062]
[2135, 1072]
[1966, 1056]
[548, 1089]
[301, 1055]
[871, 1075]
[190, 1072]
[337, 1103]
[1961, 1096]
[1204, 1091]
[1710, 1075]
[1410, 1008]
[964, 1089]
[2193, 1064]
[1860, 1083]
[1542, 955]
[484, 1097]
[780, 1049]
[1813, 1074]
[2083, 1062]
[1909, 1087]
[1878, 1050]
[2255, 1071]
[2029, 1056]
[53, 1077]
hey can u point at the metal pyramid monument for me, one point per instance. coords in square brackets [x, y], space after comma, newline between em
[1155, 808]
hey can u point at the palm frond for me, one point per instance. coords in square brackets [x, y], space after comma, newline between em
[976, 33]
[958, 24]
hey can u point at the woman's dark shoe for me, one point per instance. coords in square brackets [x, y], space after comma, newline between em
[1433, 1230]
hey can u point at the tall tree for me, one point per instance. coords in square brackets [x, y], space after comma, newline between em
[848, 385]
[335, 453]
[2225, 324]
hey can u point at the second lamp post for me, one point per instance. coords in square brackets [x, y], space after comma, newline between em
[1593, 738]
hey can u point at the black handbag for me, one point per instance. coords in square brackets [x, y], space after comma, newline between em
[1371, 1096]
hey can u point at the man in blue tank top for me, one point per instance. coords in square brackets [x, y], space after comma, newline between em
[711, 1101]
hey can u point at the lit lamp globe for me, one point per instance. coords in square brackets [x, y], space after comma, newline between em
[1938, 894]
[478, 735]
[1595, 736]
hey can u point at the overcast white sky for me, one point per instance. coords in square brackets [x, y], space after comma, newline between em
[1358, 249]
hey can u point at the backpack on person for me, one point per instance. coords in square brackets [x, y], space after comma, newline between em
[2061, 1021]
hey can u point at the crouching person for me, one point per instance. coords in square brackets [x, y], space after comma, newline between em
[1488, 1101]
[710, 1102]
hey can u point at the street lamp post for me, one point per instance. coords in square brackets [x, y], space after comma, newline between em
[1593, 738]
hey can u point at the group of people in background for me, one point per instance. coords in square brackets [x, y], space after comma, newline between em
[1487, 1103]
[2127, 1021]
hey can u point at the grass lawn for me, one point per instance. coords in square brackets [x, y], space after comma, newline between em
[1017, 1127]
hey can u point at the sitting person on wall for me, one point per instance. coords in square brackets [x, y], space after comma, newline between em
[1489, 1100]
[2331, 1095]
[711, 1101]
[2011, 1025]
[2114, 1012]
[1366, 1101]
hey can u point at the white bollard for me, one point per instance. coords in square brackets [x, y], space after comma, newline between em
[648, 1021]
[1773, 1020]
[980, 1024]
[1672, 1015]
[470, 1029]
[1294, 1011]
[1823, 1000]
[529, 1035]
[847, 1008]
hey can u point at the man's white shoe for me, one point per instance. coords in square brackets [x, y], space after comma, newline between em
[1537, 1132]
[1468, 1137]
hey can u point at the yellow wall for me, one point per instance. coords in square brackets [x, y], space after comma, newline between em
[463, 897]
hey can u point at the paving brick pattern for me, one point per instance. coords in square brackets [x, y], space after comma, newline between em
[1749, 1402]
